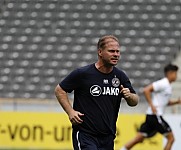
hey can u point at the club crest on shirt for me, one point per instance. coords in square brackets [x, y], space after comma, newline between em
[115, 82]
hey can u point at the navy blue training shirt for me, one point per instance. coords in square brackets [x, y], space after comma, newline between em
[97, 96]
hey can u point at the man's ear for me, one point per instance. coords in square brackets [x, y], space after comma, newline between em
[99, 52]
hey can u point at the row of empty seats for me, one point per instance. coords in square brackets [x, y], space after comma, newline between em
[25, 40]
[42, 41]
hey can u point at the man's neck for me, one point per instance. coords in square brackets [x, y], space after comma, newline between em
[169, 80]
[103, 68]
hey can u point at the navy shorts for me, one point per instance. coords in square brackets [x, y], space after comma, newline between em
[85, 141]
[154, 124]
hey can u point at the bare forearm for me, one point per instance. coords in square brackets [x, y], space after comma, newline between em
[74, 116]
[63, 99]
[147, 92]
[132, 100]
[148, 97]
[174, 102]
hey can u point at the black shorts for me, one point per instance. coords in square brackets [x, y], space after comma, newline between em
[154, 124]
[85, 141]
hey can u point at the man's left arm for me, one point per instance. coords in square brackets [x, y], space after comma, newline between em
[131, 98]
[174, 102]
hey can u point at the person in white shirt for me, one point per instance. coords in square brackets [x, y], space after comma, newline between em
[158, 96]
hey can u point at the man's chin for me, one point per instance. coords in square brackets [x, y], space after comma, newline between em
[110, 64]
[113, 64]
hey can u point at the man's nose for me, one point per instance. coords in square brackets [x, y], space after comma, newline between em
[116, 53]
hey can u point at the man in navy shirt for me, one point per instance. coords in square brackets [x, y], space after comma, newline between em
[98, 90]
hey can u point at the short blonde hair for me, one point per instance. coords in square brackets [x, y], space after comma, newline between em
[103, 40]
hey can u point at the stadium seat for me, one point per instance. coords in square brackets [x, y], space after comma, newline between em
[43, 41]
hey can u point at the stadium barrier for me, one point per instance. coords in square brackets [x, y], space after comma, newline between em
[43, 130]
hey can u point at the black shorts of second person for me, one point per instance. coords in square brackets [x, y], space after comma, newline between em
[85, 141]
[154, 124]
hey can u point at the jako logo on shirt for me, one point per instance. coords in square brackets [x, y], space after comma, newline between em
[96, 90]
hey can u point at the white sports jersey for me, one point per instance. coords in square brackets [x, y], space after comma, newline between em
[161, 94]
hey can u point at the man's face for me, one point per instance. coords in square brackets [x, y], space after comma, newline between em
[172, 75]
[110, 53]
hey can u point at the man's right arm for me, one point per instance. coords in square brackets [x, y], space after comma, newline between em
[62, 98]
[147, 92]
